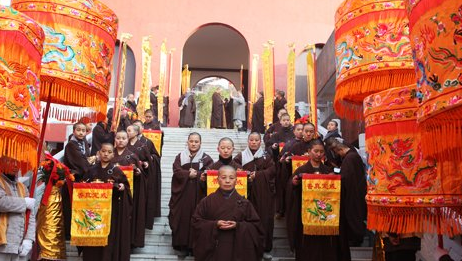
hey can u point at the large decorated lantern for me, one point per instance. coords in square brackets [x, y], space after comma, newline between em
[21, 48]
[78, 50]
[407, 192]
[436, 38]
[372, 51]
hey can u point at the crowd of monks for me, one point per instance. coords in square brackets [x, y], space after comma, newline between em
[223, 225]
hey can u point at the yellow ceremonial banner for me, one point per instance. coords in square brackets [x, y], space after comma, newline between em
[291, 82]
[162, 82]
[312, 89]
[144, 102]
[91, 214]
[185, 79]
[241, 184]
[253, 86]
[156, 137]
[298, 161]
[121, 79]
[268, 84]
[128, 171]
[320, 204]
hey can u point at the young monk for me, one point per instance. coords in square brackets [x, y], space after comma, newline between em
[147, 164]
[225, 225]
[150, 123]
[225, 154]
[124, 157]
[155, 181]
[310, 247]
[275, 127]
[186, 191]
[76, 158]
[261, 188]
[284, 135]
[118, 248]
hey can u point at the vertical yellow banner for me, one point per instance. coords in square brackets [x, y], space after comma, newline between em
[128, 171]
[311, 79]
[291, 82]
[120, 91]
[185, 79]
[144, 102]
[253, 86]
[268, 83]
[162, 81]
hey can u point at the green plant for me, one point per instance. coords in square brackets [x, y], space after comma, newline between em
[204, 105]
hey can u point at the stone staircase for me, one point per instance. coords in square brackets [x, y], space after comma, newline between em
[158, 240]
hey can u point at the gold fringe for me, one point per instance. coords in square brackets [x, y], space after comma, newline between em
[320, 230]
[350, 93]
[88, 241]
[20, 146]
[64, 92]
[404, 220]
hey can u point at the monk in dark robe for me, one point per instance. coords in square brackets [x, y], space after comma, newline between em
[225, 225]
[258, 124]
[186, 191]
[150, 122]
[76, 158]
[279, 102]
[225, 155]
[299, 149]
[153, 100]
[101, 134]
[218, 114]
[131, 103]
[284, 135]
[285, 169]
[156, 181]
[353, 205]
[142, 151]
[274, 128]
[118, 248]
[124, 157]
[187, 105]
[314, 247]
[229, 112]
[261, 188]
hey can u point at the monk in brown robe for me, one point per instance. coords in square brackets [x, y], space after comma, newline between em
[274, 128]
[218, 114]
[299, 149]
[77, 159]
[258, 124]
[186, 191]
[124, 157]
[150, 122]
[118, 248]
[353, 206]
[261, 187]
[225, 155]
[142, 151]
[314, 247]
[156, 180]
[225, 225]
[187, 105]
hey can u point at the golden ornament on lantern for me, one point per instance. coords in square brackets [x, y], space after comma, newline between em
[372, 51]
[78, 50]
[436, 38]
[21, 40]
[406, 191]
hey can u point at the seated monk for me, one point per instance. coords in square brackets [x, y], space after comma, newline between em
[225, 225]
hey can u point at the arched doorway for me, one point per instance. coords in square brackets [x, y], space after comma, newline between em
[216, 51]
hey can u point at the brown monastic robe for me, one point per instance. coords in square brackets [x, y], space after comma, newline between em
[188, 111]
[258, 124]
[285, 172]
[138, 217]
[155, 183]
[245, 242]
[142, 151]
[78, 164]
[186, 194]
[118, 248]
[278, 105]
[310, 247]
[273, 129]
[217, 119]
[153, 125]
[261, 190]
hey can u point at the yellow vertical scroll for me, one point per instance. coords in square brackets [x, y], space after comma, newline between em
[162, 81]
[311, 79]
[291, 82]
[268, 83]
[120, 92]
[144, 100]
[185, 79]
[253, 86]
